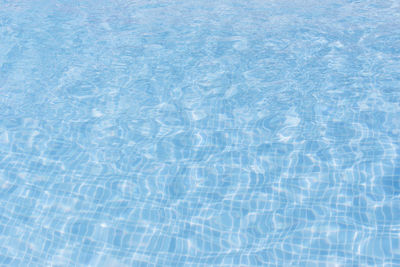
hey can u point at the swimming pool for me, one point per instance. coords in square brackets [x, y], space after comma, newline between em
[200, 133]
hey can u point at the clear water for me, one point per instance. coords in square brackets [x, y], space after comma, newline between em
[200, 133]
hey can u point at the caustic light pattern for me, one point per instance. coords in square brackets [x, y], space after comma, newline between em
[200, 133]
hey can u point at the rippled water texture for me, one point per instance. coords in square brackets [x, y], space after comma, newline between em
[200, 133]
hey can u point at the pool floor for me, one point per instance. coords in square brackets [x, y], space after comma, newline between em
[200, 133]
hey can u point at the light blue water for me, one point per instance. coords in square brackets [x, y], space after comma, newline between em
[200, 133]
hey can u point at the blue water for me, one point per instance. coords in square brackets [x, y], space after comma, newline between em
[200, 133]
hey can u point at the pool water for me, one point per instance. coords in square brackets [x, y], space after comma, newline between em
[200, 133]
